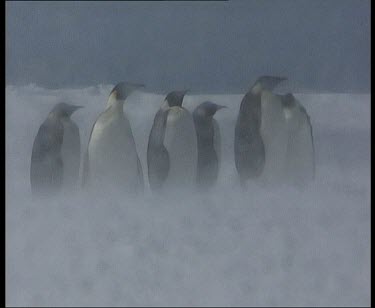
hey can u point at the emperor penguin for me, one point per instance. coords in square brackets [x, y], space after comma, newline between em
[300, 157]
[172, 146]
[260, 133]
[209, 144]
[111, 159]
[55, 158]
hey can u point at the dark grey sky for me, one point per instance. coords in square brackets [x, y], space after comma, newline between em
[207, 46]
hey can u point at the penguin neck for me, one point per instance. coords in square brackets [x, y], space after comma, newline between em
[256, 89]
[165, 105]
[57, 115]
[115, 104]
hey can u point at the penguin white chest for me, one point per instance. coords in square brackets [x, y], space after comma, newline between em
[181, 143]
[112, 153]
[299, 166]
[274, 135]
[292, 118]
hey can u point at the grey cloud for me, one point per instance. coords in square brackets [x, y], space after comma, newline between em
[207, 46]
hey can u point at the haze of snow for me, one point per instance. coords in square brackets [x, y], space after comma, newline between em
[228, 247]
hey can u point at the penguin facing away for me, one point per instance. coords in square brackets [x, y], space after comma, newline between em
[300, 158]
[172, 146]
[111, 157]
[208, 141]
[259, 119]
[55, 157]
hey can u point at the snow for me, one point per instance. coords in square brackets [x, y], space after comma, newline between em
[228, 247]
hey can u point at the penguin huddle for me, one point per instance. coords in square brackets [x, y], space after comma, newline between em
[273, 140]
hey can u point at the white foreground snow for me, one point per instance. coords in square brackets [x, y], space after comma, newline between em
[224, 248]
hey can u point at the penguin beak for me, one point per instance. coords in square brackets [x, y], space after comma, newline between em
[220, 107]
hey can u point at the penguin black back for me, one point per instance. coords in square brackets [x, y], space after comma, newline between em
[157, 154]
[208, 161]
[248, 145]
[47, 166]
[46, 170]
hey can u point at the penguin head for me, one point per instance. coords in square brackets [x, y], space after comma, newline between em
[266, 83]
[64, 109]
[175, 98]
[287, 100]
[207, 109]
[123, 89]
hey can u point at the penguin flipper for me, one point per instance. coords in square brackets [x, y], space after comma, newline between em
[158, 167]
[249, 147]
[307, 130]
[85, 169]
[76, 144]
[157, 155]
[217, 140]
[140, 175]
[313, 146]
[86, 160]
[308, 121]
[250, 157]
